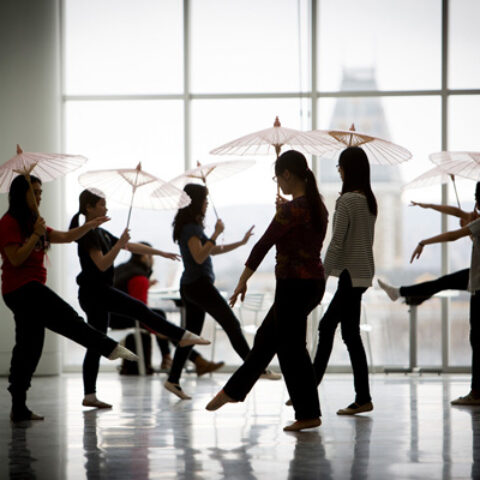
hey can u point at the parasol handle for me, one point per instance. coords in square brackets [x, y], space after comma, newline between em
[452, 177]
[213, 206]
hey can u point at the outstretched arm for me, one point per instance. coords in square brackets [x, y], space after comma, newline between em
[443, 237]
[141, 249]
[217, 250]
[57, 236]
[446, 209]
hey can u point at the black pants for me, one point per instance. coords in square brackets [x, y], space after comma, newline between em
[164, 344]
[283, 332]
[97, 304]
[199, 298]
[453, 281]
[345, 309]
[475, 339]
[36, 307]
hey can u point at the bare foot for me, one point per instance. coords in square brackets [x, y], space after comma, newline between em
[219, 400]
[190, 338]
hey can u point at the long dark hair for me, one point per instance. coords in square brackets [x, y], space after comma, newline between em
[356, 175]
[296, 163]
[191, 213]
[477, 194]
[17, 203]
[86, 199]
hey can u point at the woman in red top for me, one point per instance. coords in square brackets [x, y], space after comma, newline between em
[24, 237]
[298, 231]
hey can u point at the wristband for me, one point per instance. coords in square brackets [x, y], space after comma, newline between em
[421, 243]
[211, 240]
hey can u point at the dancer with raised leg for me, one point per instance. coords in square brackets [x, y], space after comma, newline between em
[297, 230]
[197, 288]
[24, 238]
[98, 298]
[134, 277]
[418, 293]
[472, 230]
[350, 258]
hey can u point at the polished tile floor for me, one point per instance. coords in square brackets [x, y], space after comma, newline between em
[413, 433]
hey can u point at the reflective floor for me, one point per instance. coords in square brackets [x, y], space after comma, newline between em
[413, 433]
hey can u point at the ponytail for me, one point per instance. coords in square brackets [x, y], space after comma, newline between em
[296, 163]
[74, 222]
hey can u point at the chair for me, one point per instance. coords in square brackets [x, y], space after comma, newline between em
[254, 303]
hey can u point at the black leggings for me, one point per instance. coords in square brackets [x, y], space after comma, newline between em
[36, 307]
[97, 304]
[475, 339]
[453, 281]
[283, 332]
[344, 308]
[199, 298]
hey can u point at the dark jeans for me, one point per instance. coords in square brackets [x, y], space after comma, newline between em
[283, 332]
[36, 307]
[475, 339]
[344, 308]
[199, 298]
[97, 304]
[453, 281]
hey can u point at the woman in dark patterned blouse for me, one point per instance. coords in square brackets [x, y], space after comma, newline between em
[298, 230]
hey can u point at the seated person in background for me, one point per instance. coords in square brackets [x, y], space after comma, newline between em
[133, 277]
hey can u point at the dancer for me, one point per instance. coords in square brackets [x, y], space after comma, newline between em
[98, 298]
[133, 277]
[472, 229]
[417, 294]
[298, 230]
[350, 258]
[24, 238]
[197, 289]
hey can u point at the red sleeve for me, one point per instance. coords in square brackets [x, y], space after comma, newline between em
[138, 287]
[280, 225]
[9, 232]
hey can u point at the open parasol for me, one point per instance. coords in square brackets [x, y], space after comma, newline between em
[378, 150]
[211, 172]
[46, 166]
[136, 188]
[268, 141]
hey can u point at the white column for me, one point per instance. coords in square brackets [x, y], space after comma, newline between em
[30, 102]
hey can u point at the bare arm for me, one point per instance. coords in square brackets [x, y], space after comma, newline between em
[141, 249]
[57, 236]
[16, 253]
[232, 246]
[201, 252]
[104, 262]
[241, 288]
[443, 237]
[446, 209]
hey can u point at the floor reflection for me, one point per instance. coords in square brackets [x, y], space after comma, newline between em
[412, 433]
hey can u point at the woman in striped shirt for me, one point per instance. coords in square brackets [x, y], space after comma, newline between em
[350, 258]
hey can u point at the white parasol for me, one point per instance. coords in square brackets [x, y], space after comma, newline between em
[46, 166]
[268, 141]
[379, 151]
[136, 188]
[211, 172]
